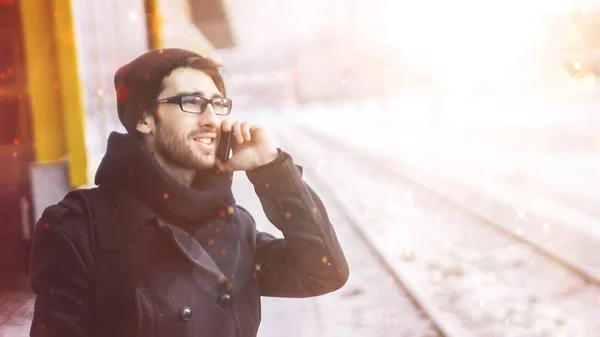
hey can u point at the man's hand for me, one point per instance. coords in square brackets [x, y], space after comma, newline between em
[253, 146]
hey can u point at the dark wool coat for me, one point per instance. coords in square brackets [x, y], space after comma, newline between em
[171, 260]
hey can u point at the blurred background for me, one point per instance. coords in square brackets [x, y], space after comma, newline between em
[493, 106]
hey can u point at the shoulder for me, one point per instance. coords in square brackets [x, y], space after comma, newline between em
[62, 238]
[67, 220]
[68, 210]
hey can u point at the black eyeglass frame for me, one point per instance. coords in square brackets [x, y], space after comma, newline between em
[178, 99]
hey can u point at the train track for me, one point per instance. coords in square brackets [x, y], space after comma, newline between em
[436, 320]
[397, 175]
[438, 316]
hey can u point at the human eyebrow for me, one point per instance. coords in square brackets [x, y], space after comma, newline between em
[201, 94]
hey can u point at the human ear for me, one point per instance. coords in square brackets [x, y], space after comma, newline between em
[146, 125]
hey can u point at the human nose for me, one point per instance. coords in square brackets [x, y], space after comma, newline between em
[209, 118]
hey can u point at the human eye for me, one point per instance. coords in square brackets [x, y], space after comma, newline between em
[222, 105]
[193, 103]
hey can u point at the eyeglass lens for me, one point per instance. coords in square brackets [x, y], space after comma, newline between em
[198, 104]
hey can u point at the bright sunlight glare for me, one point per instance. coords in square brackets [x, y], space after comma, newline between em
[469, 40]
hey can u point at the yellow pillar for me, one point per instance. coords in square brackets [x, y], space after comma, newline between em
[70, 91]
[53, 85]
[153, 24]
[42, 80]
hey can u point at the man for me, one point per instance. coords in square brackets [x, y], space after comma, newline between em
[160, 247]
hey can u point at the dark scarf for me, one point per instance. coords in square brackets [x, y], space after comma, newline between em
[129, 163]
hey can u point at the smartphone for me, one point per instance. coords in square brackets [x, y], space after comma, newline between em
[224, 146]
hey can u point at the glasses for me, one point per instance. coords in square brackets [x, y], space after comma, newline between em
[197, 104]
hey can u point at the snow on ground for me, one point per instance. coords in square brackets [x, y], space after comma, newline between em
[485, 283]
[553, 189]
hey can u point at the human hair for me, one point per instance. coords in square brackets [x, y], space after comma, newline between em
[204, 64]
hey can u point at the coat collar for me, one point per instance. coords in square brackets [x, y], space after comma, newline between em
[135, 215]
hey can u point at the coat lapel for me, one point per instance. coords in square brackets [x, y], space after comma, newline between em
[193, 251]
[137, 215]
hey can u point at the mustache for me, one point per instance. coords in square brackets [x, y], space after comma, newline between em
[211, 131]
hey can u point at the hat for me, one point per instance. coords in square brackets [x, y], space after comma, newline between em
[138, 83]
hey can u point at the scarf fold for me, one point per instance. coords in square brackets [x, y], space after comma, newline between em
[129, 163]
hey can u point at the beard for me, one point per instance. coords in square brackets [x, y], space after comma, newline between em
[179, 151]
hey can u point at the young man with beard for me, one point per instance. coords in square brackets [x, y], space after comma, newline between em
[160, 247]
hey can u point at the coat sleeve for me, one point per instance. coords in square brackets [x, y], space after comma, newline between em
[60, 275]
[309, 260]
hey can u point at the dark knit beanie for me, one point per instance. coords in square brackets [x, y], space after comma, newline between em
[138, 83]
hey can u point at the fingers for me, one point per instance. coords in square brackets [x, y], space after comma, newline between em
[226, 125]
[237, 133]
[245, 129]
[241, 130]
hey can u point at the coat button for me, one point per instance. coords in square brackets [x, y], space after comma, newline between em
[186, 313]
[224, 300]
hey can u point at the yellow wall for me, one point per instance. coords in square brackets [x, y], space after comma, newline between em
[70, 91]
[42, 85]
[53, 85]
